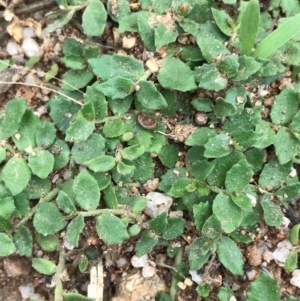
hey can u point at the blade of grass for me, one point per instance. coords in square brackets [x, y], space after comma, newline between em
[278, 37]
[249, 26]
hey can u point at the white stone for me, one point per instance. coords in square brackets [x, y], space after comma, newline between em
[122, 262]
[28, 32]
[148, 271]
[282, 251]
[26, 290]
[296, 278]
[139, 262]
[196, 277]
[157, 204]
[128, 42]
[12, 48]
[251, 274]
[30, 47]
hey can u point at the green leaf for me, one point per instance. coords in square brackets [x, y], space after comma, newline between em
[79, 130]
[64, 202]
[111, 229]
[286, 146]
[159, 223]
[212, 228]
[2, 154]
[7, 206]
[242, 201]
[148, 97]
[16, 175]
[114, 128]
[255, 157]
[189, 26]
[224, 108]
[225, 293]
[61, 152]
[74, 229]
[76, 79]
[124, 169]
[169, 155]
[291, 261]
[86, 190]
[46, 133]
[112, 66]
[132, 152]
[202, 169]
[146, 243]
[25, 137]
[278, 37]
[83, 263]
[75, 297]
[89, 149]
[202, 211]
[239, 176]
[102, 163]
[6, 245]
[43, 266]
[285, 106]
[139, 205]
[174, 228]
[174, 74]
[274, 174]
[37, 188]
[110, 198]
[211, 48]
[61, 111]
[230, 256]
[218, 175]
[14, 112]
[196, 256]
[218, 146]
[202, 104]
[294, 233]
[249, 26]
[248, 66]
[222, 19]
[93, 18]
[5, 224]
[47, 219]
[204, 289]
[120, 106]
[272, 212]
[23, 241]
[229, 65]
[52, 72]
[164, 35]
[228, 213]
[47, 243]
[179, 187]
[118, 10]
[63, 17]
[97, 98]
[209, 77]
[200, 136]
[264, 288]
[41, 162]
[265, 133]
[117, 87]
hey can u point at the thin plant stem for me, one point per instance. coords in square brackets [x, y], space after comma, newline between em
[52, 194]
[56, 278]
[43, 87]
[96, 212]
[174, 287]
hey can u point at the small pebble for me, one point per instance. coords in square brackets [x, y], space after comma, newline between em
[253, 255]
[296, 278]
[139, 262]
[28, 32]
[30, 47]
[158, 203]
[26, 290]
[251, 275]
[12, 48]
[128, 42]
[196, 277]
[282, 251]
[148, 271]
[122, 262]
